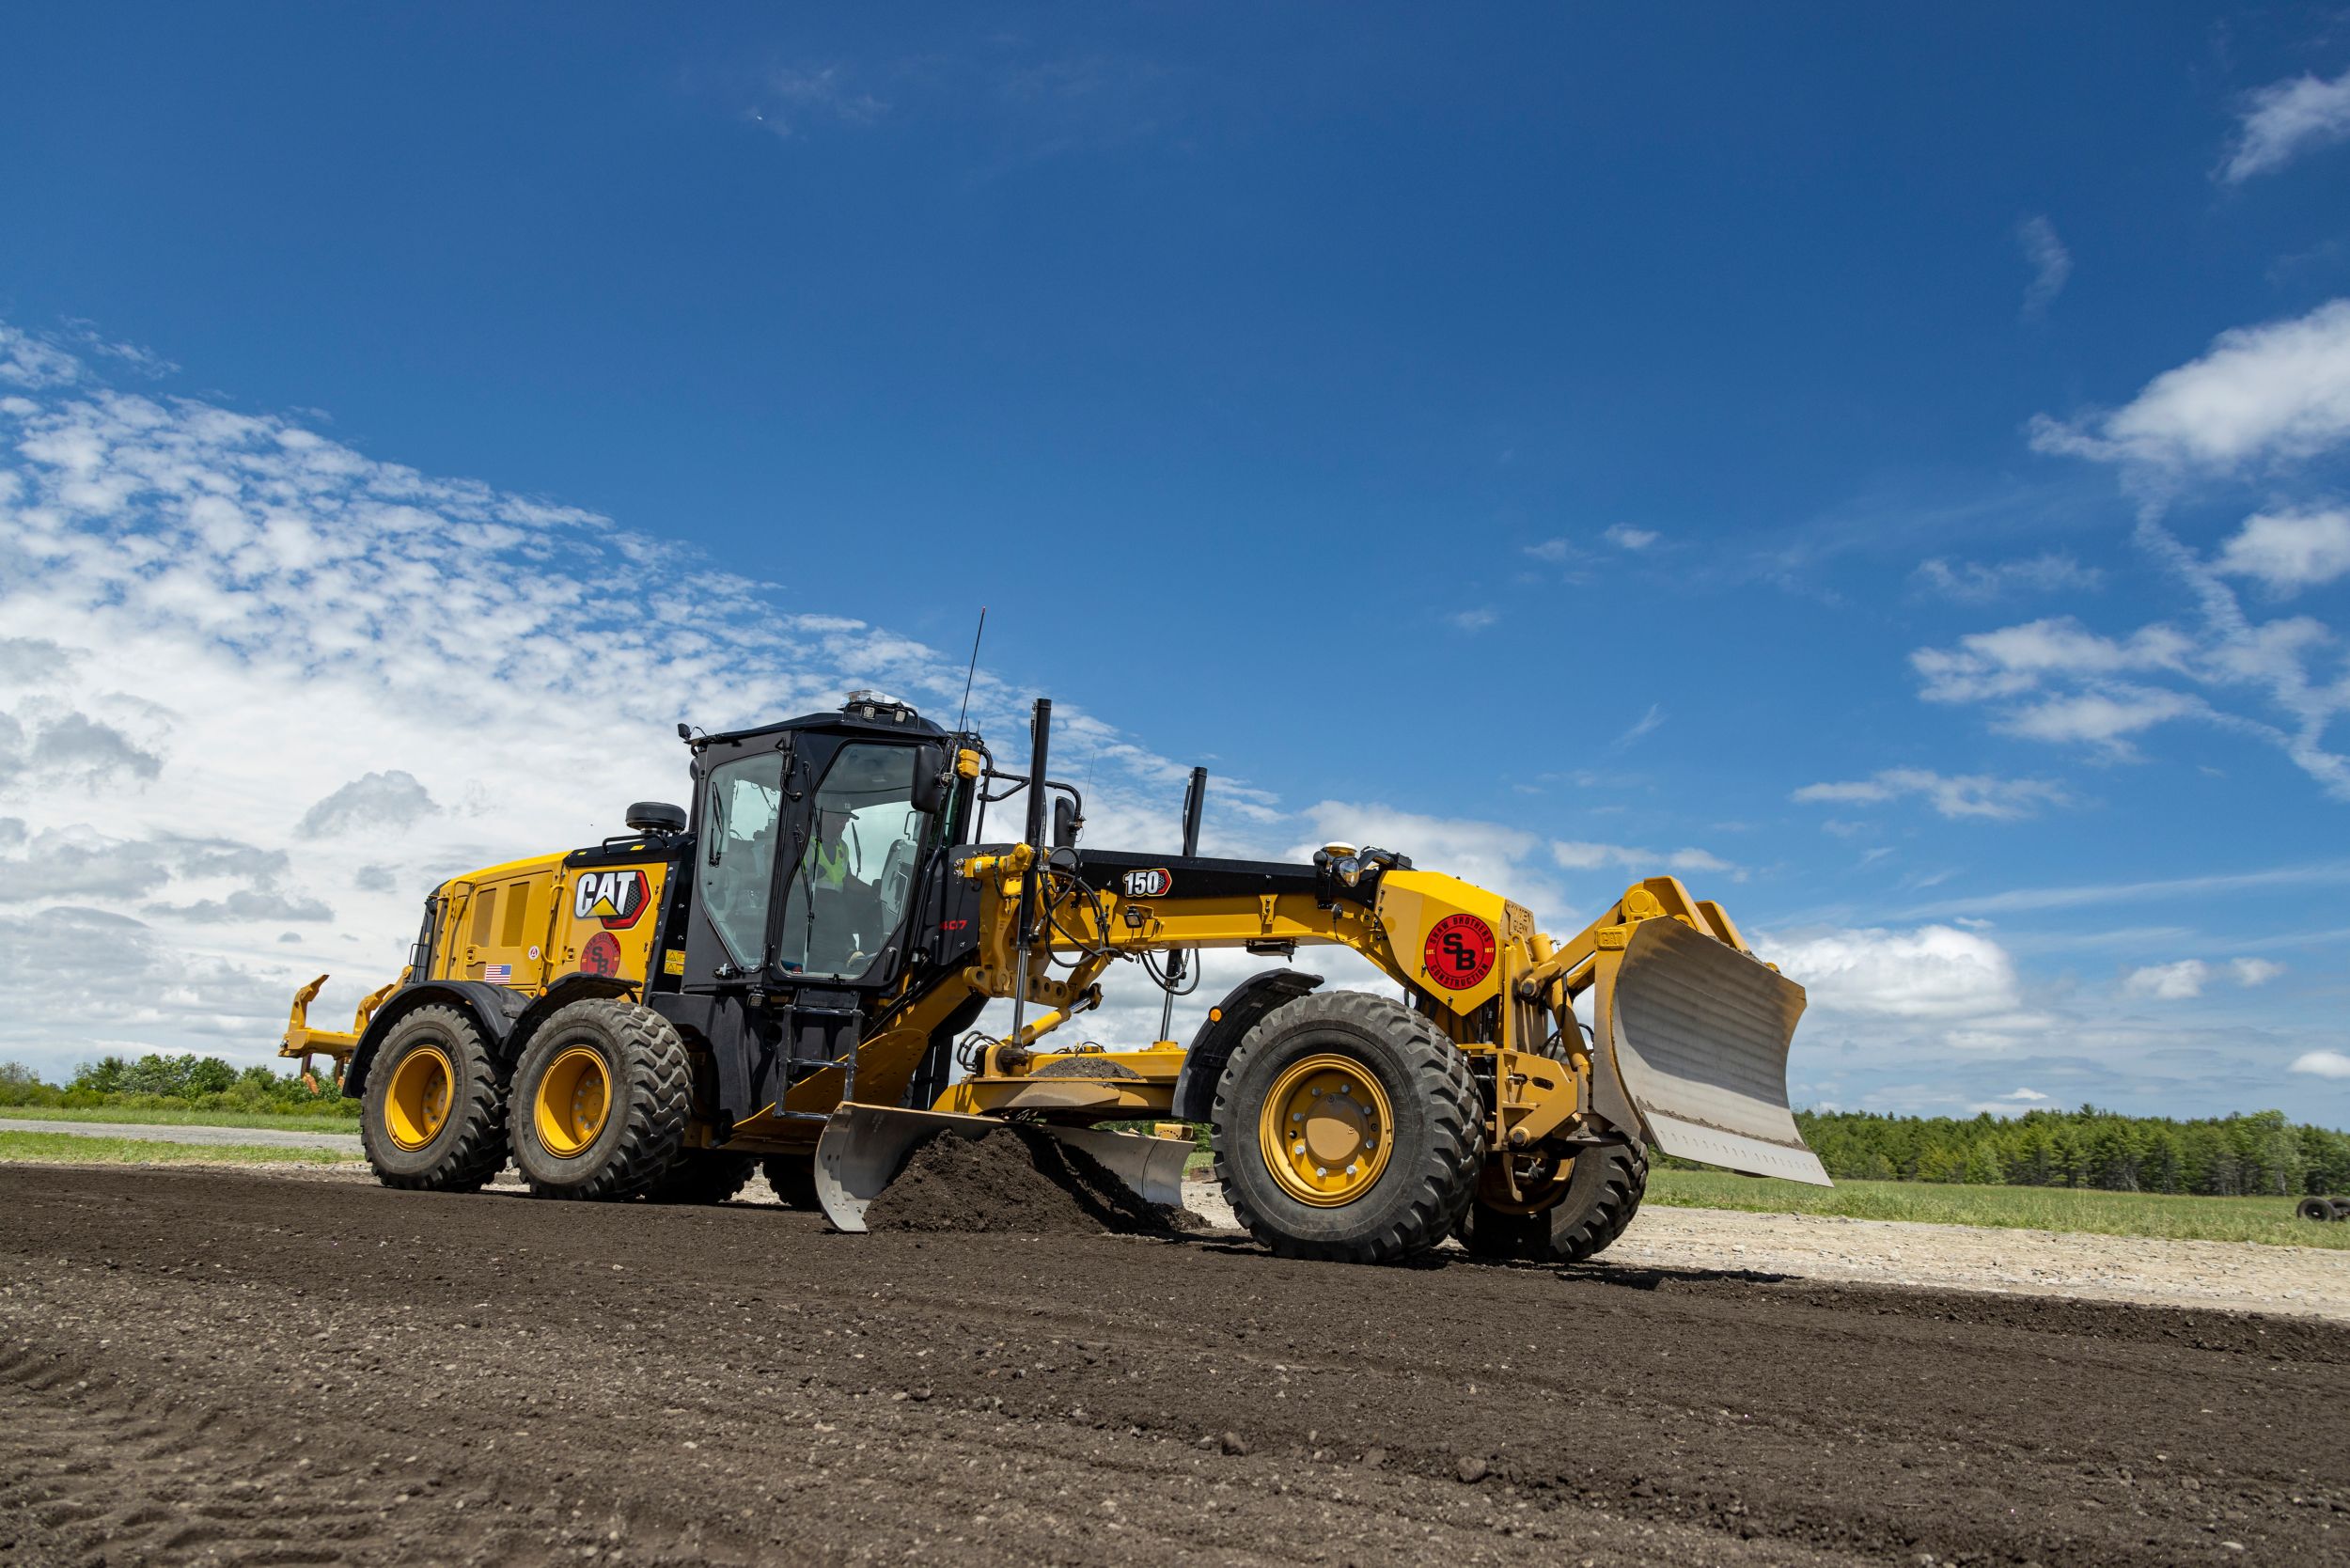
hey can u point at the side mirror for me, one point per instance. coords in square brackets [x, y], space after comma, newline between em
[930, 785]
[1065, 822]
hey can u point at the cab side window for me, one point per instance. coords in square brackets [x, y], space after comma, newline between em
[738, 851]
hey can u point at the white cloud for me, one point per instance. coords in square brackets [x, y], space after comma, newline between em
[1555, 551]
[2322, 1064]
[1981, 582]
[2169, 982]
[1623, 536]
[2056, 681]
[390, 799]
[222, 627]
[1647, 723]
[2277, 391]
[1488, 855]
[1578, 856]
[2051, 263]
[31, 362]
[2014, 1102]
[2251, 972]
[1936, 973]
[2289, 551]
[1952, 795]
[796, 95]
[1473, 620]
[2285, 118]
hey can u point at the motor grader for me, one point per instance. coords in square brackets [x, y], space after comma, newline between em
[790, 973]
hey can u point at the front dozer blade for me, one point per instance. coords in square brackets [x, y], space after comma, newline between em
[865, 1147]
[1700, 1039]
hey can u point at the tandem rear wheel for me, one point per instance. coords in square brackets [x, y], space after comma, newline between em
[1347, 1128]
[434, 1114]
[600, 1100]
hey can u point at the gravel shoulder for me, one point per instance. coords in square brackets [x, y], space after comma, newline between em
[260, 1137]
[2234, 1276]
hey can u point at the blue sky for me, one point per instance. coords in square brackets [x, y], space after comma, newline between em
[1886, 467]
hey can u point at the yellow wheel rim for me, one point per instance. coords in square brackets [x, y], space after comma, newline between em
[1324, 1129]
[574, 1095]
[416, 1108]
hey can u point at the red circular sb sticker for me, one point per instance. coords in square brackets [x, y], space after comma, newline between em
[1460, 951]
[602, 955]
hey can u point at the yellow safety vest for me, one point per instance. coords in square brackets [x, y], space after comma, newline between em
[832, 867]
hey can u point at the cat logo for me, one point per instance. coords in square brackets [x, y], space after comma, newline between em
[613, 898]
[1153, 883]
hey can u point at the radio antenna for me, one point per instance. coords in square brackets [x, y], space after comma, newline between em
[972, 671]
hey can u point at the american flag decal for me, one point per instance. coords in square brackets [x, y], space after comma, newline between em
[498, 974]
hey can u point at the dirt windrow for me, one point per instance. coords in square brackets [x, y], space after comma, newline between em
[1018, 1181]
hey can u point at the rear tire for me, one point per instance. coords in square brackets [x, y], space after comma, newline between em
[1601, 1193]
[432, 1117]
[601, 1101]
[793, 1177]
[702, 1176]
[2309, 1208]
[1419, 1146]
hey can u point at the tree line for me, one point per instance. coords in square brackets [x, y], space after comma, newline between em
[185, 1082]
[2229, 1156]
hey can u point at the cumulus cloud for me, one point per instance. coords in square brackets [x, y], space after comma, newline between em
[375, 800]
[2275, 392]
[2289, 551]
[1623, 536]
[2322, 1064]
[1952, 795]
[1491, 854]
[2169, 982]
[2051, 263]
[1938, 973]
[2251, 972]
[2286, 118]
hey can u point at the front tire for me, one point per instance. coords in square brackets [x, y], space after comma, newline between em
[1347, 1128]
[601, 1101]
[432, 1117]
[1590, 1206]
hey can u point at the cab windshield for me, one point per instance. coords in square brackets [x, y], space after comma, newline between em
[848, 894]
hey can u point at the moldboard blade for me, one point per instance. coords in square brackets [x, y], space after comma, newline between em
[865, 1147]
[1701, 1040]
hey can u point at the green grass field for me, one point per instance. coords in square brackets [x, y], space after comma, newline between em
[74, 1149]
[182, 1118]
[2109, 1214]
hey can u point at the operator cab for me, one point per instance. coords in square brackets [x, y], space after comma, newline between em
[810, 838]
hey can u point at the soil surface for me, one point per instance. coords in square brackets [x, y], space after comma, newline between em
[1025, 1182]
[208, 1367]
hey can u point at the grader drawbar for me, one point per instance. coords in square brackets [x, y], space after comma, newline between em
[788, 974]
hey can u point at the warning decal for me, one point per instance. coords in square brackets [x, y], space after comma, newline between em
[613, 898]
[1460, 951]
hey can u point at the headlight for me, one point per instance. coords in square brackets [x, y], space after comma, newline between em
[1350, 871]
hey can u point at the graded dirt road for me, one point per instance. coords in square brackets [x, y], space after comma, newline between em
[208, 1367]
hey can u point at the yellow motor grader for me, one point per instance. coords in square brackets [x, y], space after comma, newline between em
[790, 974]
